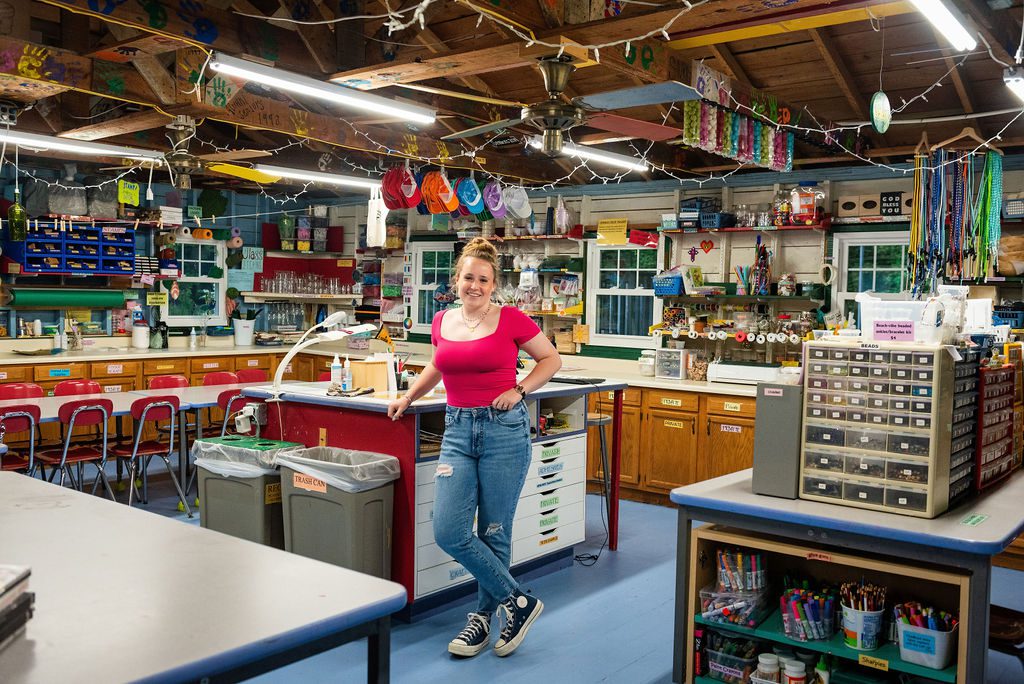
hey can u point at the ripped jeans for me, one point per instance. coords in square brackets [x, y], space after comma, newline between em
[485, 455]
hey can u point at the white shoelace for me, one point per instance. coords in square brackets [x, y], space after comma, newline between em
[509, 614]
[477, 625]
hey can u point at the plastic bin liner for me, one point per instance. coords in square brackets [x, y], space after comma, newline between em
[235, 461]
[348, 470]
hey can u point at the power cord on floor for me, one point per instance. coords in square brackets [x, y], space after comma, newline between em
[588, 559]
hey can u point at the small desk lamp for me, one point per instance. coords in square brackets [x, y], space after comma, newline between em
[329, 336]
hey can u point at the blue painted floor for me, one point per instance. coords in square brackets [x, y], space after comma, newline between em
[611, 622]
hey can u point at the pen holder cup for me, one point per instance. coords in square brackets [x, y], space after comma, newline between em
[243, 331]
[926, 647]
[862, 629]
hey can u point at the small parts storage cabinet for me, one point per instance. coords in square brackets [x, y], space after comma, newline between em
[877, 420]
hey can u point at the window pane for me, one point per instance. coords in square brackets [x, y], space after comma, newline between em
[194, 299]
[627, 280]
[444, 259]
[627, 258]
[208, 252]
[429, 259]
[204, 268]
[609, 279]
[888, 281]
[190, 269]
[427, 307]
[646, 279]
[648, 258]
[190, 252]
[861, 256]
[618, 315]
[889, 256]
[609, 258]
[853, 281]
[429, 277]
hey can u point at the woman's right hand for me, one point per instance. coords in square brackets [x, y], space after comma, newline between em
[398, 407]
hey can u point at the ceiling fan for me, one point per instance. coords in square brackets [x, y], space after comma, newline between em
[183, 164]
[554, 116]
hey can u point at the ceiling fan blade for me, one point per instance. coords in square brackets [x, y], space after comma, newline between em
[234, 155]
[655, 93]
[484, 128]
[634, 128]
[243, 172]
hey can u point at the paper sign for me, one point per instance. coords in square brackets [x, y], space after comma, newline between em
[272, 493]
[773, 391]
[678, 424]
[345, 263]
[665, 401]
[3, 375]
[252, 362]
[894, 331]
[732, 428]
[115, 368]
[612, 231]
[252, 259]
[60, 372]
[156, 298]
[974, 519]
[245, 281]
[215, 364]
[195, 211]
[128, 193]
[147, 279]
[733, 406]
[817, 555]
[921, 643]
[870, 661]
[891, 204]
[112, 388]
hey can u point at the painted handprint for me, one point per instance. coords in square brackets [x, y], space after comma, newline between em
[156, 11]
[31, 62]
[203, 29]
[300, 122]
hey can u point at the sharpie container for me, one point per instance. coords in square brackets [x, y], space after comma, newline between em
[926, 647]
[862, 629]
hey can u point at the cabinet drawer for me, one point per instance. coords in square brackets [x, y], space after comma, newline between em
[209, 365]
[546, 542]
[118, 385]
[16, 374]
[550, 466]
[562, 447]
[661, 399]
[730, 406]
[63, 371]
[561, 478]
[547, 521]
[605, 400]
[425, 474]
[550, 500]
[113, 369]
[165, 367]
[261, 361]
[431, 555]
[441, 577]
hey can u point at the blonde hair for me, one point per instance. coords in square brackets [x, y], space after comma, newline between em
[478, 248]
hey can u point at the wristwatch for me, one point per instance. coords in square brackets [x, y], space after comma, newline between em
[521, 390]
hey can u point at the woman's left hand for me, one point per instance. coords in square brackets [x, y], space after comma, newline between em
[506, 400]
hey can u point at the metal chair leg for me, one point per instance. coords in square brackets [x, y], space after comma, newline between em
[177, 486]
[607, 475]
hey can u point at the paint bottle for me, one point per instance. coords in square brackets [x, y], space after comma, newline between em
[337, 371]
[192, 339]
[796, 673]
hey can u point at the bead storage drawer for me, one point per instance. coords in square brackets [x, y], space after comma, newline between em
[877, 426]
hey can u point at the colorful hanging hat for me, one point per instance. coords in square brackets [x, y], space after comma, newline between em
[469, 195]
[517, 202]
[493, 200]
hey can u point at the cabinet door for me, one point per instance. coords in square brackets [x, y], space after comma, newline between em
[629, 464]
[668, 449]
[727, 445]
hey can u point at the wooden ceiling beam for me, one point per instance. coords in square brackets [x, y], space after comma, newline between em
[318, 38]
[149, 66]
[959, 85]
[840, 72]
[129, 123]
[553, 12]
[733, 68]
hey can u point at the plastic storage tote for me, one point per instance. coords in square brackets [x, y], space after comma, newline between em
[240, 488]
[338, 506]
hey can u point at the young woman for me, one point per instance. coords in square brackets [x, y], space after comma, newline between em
[485, 453]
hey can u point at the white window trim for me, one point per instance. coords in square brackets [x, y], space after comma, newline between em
[840, 247]
[594, 277]
[417, 249]
[219, 315]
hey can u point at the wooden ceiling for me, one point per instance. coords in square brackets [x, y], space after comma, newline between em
[117, 71]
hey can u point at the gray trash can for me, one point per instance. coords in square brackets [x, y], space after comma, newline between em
[240, 488]
[338, 506]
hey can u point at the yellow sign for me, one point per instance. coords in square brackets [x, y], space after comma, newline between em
[678, 424]
[156, 298]
[272, 493]
[128, 193]
[345, 263]
[665, 401]
[876, 663]
[612, 231]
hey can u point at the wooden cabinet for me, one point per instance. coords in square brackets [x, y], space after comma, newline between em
[16, 374]
[209, 364]
[629, 454]
[668, 449]
[165, 367]
[113, 369]
[300, 369]
[726, 445]
[261, 361]
[672, 400]
[56, 372]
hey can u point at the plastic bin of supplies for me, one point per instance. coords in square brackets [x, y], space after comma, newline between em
[338, 506]
[240, 488]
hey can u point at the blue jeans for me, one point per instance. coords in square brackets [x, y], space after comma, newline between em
[485, 455]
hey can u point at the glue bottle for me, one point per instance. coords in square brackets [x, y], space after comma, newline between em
[346, 376]
[337, 371]
[192, 339]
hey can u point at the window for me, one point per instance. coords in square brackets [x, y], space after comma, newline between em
[200, 298]
[432, 264]
[621, 304]
[875, 262]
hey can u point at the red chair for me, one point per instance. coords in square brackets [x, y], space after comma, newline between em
[220, 378]
[66, 388]
[324, 376]
[19, 419]
[23, 390]
[168, 382]
[154, 409]
[81, 413]
[251, 375]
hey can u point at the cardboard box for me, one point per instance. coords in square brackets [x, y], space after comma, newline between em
[869, 205]
[848, 205]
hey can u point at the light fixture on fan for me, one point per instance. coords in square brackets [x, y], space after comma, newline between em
[621, 161]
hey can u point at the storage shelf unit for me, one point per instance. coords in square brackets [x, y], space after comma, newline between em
[994, 444]
[877, 420]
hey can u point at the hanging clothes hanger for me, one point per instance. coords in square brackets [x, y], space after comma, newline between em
[922, 148]
[967, 134]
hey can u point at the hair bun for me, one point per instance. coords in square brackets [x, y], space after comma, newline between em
[480, 247]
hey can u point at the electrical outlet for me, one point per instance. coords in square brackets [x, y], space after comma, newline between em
[260, 414]
[9, 113]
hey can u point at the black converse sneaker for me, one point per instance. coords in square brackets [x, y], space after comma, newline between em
[474, 637]
[520, 611]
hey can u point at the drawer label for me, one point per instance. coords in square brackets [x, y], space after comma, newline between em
[817, 555]
[272, 493]
[733, 406]
[309, 483]
[3, 375]
[547, 469]
[678, 424]
[458, 572]
[611, 396]
[732, 428]
[548, 540]
[869, 661]
[215, 364]
[550, 520]
[550, 501]
[773, 391]
[115, 368]
[253, 362]
[112, 388]
[168, 366]
[548, 483]
[666, 401]
[60, 372]
[974, 520]
[550, 452]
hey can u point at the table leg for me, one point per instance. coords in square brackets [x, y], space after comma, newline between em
[378, 653]
[682, 617]
[616, 467]
[119, 422]
[978, 619]
[182, 448]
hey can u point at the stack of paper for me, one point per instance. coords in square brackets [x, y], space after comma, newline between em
[16, 602]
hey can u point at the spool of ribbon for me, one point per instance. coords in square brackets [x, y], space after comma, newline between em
[165, 239]
[236, 232]
[202, 234]
[234, 243]
[221, 234]
[183, 232]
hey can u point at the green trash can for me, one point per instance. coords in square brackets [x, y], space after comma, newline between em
[240, 488]
[338, 506]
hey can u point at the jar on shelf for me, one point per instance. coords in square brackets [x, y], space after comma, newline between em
[781, 208]
[787, 285]
[805, 202]
[646, 362]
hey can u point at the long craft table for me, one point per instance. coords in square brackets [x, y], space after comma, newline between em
[963, 540]
[309, 416]
[174, 602]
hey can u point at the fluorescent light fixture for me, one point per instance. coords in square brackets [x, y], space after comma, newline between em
[1014, 80]
[304, 85]
[317, 176]
[621, 161]
[48, 142]
[948, 21]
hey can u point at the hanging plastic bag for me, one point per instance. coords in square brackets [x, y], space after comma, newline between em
[376, 220]
[349, 470]
[563, 218]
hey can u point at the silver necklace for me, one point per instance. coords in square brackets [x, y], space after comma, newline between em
[472, 328]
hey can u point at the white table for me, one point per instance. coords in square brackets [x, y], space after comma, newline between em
[49, 407]
[109, 602]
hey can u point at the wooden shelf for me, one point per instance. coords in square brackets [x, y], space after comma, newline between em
[275, 296]
[556, 314]
[745, 229]
[316, 255]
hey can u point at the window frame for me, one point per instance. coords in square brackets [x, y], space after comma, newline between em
[841, 248]
[219, 314]
[417, 250]
[593, 291]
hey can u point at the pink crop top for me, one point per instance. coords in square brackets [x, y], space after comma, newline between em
[477, 371]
